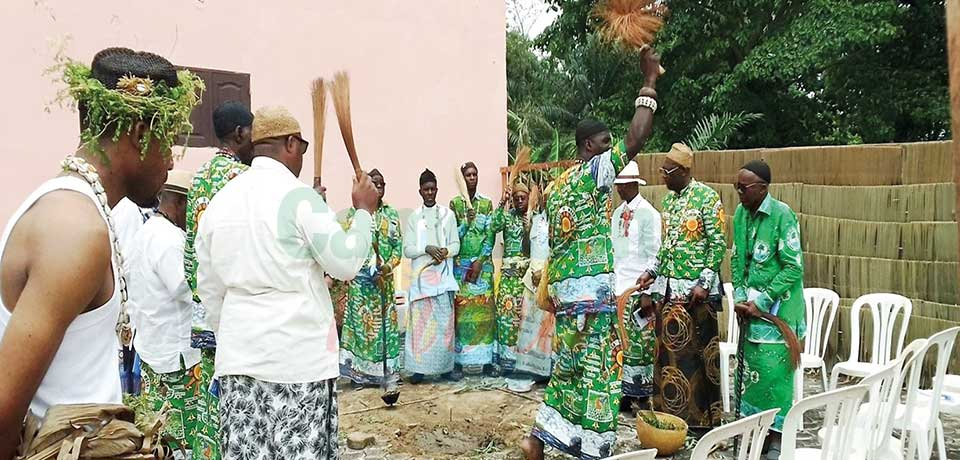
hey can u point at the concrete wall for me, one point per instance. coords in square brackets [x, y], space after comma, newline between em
[428, 82]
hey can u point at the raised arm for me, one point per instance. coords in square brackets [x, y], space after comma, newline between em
[66, 270]
[642, 124]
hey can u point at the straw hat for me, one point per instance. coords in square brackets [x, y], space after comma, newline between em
[681, 155]
[178, 181]
[630, 174]
[273, 121]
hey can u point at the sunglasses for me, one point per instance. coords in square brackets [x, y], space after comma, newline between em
[667, 172]
[303, 144]
[742, 188]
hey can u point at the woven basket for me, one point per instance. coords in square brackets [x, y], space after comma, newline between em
[667, 442]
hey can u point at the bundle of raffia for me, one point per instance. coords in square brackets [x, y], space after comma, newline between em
[634, 23]
[92, 431]
[318, 93]
[341, 104]
[462, 187]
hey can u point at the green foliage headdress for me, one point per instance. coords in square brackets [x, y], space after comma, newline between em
[166, 110]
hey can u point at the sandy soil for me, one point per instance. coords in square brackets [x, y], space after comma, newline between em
[469, 420]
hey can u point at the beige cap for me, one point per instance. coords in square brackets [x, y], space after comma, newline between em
[630, 174]
[681, 155]
[178, 181]
[273, 121]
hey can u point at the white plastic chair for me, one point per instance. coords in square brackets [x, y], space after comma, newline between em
[885, 312]
[646, 454]
[921, 419]
[822, 305]
[839, 422]
[728, 348]
[752, 430]
[873, 437]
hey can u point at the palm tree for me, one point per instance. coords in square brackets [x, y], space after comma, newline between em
[713, 132]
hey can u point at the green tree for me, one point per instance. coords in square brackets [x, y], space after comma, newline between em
[818, 71]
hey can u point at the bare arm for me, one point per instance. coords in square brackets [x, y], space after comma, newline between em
[642, 124]
[66, 270]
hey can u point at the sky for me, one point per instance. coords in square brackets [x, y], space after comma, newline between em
[530, 16]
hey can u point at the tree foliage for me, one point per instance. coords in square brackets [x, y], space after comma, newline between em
[816, 71]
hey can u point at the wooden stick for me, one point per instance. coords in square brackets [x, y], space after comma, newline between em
[953, 49]
[341, 102]
[318, 93]
[418, 401]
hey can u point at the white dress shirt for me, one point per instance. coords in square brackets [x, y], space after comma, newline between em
[164, 300]
[636, 240]
[436, 226]
[127, 221]
[263, 246]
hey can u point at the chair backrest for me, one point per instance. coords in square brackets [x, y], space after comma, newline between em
[822, 305]
[646, 454]
[943, 342]
[752, 429]
[733, 329]
[839, 422]
[884, 387]
[885, 312]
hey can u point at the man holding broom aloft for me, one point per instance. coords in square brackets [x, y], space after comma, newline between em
[582, 400]
[265, 243]
[767, 270]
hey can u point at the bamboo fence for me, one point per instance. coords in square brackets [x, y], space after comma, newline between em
[873, 218]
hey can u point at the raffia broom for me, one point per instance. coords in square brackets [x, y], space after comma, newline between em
[462, 187]
[341, 102]
[318, 92]
[523, 159]
[634, 23]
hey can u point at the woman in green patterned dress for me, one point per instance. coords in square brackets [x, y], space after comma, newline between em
[512, 221]
[365, 330]
[473, 268]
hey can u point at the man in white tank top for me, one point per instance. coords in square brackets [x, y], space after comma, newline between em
[61, 286]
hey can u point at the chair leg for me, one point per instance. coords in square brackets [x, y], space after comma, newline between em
[911, 444]
[725, 383]
[941, 446]
[823, 374]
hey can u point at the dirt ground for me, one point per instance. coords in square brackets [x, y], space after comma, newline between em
[466, 420]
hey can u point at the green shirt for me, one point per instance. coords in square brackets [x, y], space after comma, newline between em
[386, 228]
[767, 267]
[476, 239]
[513, 227]
[693, 242]
[579, 205]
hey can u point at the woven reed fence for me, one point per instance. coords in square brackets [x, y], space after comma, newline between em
[873, 218]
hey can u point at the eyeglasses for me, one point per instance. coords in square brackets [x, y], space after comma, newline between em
[303, 144]
[742, 188]
[667, 172]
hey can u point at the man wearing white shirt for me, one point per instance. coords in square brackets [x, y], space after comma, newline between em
[264, 244]
[164, 309]
[636, 231]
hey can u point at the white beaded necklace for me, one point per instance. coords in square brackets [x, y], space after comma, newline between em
[75, 164]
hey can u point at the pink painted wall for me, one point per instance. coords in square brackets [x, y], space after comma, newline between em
[428, 83]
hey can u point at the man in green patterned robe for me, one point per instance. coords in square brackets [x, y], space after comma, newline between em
[767, 270]
[473, 269]
[687, 367]
[232, 122]
[582, 400]
[512, 222]
[370, 317]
